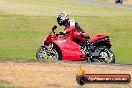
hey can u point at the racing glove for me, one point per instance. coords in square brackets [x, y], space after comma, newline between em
[61, 33]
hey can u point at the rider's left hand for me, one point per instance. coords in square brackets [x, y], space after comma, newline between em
[61, 33]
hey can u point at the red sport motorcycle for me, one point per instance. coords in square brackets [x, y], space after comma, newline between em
[58, 46]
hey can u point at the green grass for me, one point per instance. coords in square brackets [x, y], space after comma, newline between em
[1, 86]
[24, 25]
[6, 84]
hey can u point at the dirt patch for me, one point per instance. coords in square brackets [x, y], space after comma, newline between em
[55, 75]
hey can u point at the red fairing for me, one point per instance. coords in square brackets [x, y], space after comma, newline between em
[70, 50]
[98, 37]
[49, 39]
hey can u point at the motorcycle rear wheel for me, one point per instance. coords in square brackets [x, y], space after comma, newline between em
[107, 56]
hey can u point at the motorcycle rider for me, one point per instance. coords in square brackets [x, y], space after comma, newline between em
[72, 28]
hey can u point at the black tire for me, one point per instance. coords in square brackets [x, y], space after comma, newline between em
[40, 51]
[58, 52]
[110, 55]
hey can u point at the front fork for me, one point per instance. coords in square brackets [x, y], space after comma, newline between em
[49, 47]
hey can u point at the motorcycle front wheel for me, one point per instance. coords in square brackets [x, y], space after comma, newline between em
[45, 55]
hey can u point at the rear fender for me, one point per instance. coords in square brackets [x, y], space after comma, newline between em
[98, 37]
[101, 40]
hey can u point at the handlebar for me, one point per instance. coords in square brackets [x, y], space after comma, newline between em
[60, 34]
[54, 33]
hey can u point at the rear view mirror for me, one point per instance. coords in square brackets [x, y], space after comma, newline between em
[54, 27]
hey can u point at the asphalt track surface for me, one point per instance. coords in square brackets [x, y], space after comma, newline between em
[95, 2]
